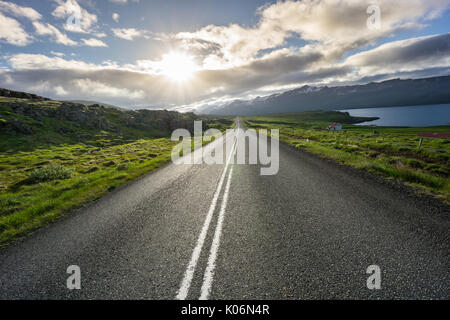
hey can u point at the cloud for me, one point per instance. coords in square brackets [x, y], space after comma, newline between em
[78, 19]
[12, 32]
[237, 61]
[58, 54]
[18, 11]
[97, 88]
[94, 42]
[144, 86]
[42, 62]
[340, 25]
[130, 33]
[46, 29]
[116, 17]
[122, 1]
[404, 56]
[16, 31]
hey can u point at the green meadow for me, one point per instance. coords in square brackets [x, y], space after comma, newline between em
[391, 152]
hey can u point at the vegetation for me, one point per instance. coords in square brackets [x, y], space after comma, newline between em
[51, 164]
[221, 123]
[50, 173]
[390, 152]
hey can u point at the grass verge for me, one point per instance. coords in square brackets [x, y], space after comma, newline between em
[390, 152]
[40, 186]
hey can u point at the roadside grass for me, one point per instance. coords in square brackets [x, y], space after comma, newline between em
[63, 165]
[40, 186]
[221, 124]
[390, 152]
[49, 173]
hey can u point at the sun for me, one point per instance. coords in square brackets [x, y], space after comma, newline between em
[178, 66]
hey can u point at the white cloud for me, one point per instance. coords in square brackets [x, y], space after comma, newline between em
[58, 54]
[123, 1]
[337, 25]
[47, 29]
[97, 88]
[19, 11]
[130, 33]
[94, 42]
[78, 19]
[116, 17]
[12, 32]
[43, 62]
[60, 91]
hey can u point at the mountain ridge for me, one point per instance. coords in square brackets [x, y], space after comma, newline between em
[389, 93]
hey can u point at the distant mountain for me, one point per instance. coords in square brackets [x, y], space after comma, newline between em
[384, 94]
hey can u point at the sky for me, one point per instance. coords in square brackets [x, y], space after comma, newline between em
[190, 54]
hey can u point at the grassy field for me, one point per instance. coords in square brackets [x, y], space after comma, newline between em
[46, 174]
[390, 152]
[41, 185]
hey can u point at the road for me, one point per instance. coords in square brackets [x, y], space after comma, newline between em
[199, 231]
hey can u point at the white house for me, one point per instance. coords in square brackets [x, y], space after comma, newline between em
[335, 127]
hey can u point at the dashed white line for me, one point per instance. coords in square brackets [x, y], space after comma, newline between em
[189, 274]
[209, 272]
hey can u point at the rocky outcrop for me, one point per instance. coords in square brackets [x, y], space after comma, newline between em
[161, 119]
[21, 95]
[26, 109]
[91, 116]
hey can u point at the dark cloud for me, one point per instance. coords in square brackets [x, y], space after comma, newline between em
[405, 55]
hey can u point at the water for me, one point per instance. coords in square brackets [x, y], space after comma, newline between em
[413, 116]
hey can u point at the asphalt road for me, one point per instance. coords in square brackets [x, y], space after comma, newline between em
[226, 232]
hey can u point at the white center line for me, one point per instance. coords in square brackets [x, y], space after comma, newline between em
[209, 272]
[189, 274]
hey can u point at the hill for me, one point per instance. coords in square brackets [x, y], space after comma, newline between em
[89, 103]
[28, 120]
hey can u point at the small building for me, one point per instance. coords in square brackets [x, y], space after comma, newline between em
[335, 126]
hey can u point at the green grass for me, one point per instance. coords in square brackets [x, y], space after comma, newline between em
[390, 152]
[40, 186]
[50, 172]
[47, 174]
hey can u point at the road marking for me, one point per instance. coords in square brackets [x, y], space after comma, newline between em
[189, 274]
[209, 272]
